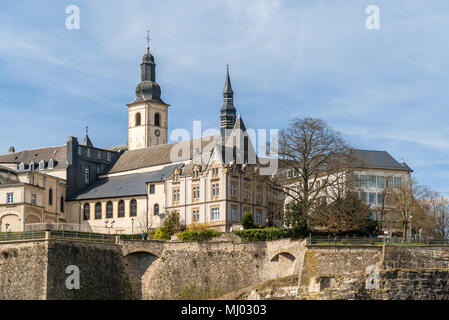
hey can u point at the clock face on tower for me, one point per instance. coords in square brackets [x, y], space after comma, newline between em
[157, 132]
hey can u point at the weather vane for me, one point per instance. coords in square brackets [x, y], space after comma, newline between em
[87, 130]
[227, 65]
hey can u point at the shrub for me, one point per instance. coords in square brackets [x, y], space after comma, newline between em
[247, 220]
[162, 234]
[194, 235]
[253, 235]
[169, 227]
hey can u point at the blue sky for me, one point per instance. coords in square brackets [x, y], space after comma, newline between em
[384, 89]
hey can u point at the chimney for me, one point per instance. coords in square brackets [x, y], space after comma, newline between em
[11, 150]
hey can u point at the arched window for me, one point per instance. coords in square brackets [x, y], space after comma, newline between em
[51, 164]
[50, 197]
[32, 166]
[156, 209]
[109, 208]
[133, 208]
[22, 166]
[98, 210]
[157, 119]
[138, 119]
[121, 209]
[62, 204]
[86, 212]
[41, 165]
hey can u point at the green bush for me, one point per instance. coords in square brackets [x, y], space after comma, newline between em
[247, 220]
[193, 235]
[162, 234]
[253, 235]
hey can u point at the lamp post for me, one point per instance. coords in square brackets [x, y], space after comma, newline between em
[132, 227]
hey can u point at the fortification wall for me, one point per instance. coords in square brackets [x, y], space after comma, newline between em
[337, 261]
[102, 271]
[23, 270]
[188, 270]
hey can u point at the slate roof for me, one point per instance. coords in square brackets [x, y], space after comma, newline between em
[58, 154]
[378, 160]
[156, 155]
[125, 185]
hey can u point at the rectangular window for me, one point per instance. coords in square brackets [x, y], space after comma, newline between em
[258, 217]
[363, 196]
[89, 152]
[373, 215]
[356, 181]
[389, 182]
[195, 215]
[380, 182]
[151, 188]
[233, 214]
[109, 156]
[372, 198]
[99, 154]
[80, 151]
[363, 181]
[33, 199]
[176, 195]
[372, 181]
[380, 198]
[10, 197]
[86, 175]
[397, 182]
[215, 213]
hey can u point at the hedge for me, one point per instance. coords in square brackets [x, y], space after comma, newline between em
[253, 235]
[193, 235]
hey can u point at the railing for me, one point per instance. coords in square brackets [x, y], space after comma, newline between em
[28, 235]
[79, 227]
[348, 240]
[82, 236]
[57, 234]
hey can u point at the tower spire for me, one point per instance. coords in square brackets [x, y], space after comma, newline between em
[227, 114]
[148, 89]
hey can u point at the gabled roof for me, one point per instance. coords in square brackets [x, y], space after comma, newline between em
[160, 154]
[372, 159]
[58, 154]
[86, 142]
[124, 185]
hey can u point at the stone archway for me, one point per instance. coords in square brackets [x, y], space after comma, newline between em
[282, 264]
[10, 222]
[32, 219]
[137, 264]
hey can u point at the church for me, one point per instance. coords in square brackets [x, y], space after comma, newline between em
[131, 188]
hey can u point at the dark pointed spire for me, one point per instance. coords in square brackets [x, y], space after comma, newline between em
[227, 114]
[86, 142]
[228, 88]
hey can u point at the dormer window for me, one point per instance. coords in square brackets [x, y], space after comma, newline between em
[51, 164]
[22, 166]
[32, 166]
[41, 165]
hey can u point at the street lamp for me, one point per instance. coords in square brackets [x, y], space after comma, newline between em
[132, 226]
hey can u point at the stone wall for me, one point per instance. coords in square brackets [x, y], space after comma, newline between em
[327, 261]
[23, 270]
[190, 270]
[102, 271]
[416, 257]
[37, 270]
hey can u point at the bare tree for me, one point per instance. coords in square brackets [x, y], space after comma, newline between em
[313, 158]
[436, 223]
[403, 205]
[346, 214]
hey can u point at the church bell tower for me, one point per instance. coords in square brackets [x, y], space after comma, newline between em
[147, 114]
